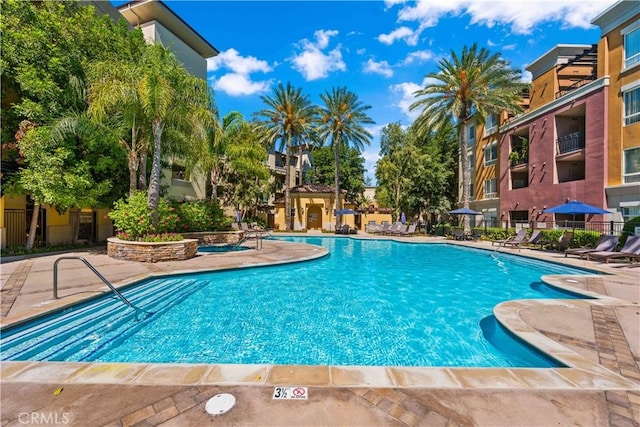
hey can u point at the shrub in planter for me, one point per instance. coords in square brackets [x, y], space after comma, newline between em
[133, 219]
[200, 215]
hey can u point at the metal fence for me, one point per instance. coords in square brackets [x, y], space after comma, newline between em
[600, 227]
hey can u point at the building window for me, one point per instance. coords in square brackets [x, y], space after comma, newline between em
[471, 134]
[632, 106]
[490, 188]
[491, 154]
[471, 157]
[491, 124]
[632, 45]
[472, 191]
[632, 165]
[629, 212]
[179, 172]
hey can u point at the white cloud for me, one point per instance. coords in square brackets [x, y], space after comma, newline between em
[409, 36]
[418, 56]
[236, 84]
[491, 44]
[405, 93]
[232, 60]
[509, 46]
[521, 16]
[526, 76]
[315, 64]
[382, 68]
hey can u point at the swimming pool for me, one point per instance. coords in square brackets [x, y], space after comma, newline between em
[367, 303]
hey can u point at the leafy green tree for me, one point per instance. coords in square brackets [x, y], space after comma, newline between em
[247, 174]
[341, 122]
[288, 119]
[45, 48]
[352, 170]
[468, 88]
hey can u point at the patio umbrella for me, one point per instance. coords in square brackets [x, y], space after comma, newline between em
[403, 218]
[574, 208]
[346, 212]
[464, 211]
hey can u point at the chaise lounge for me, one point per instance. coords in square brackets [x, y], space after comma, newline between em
[630, 250]
[606, 243]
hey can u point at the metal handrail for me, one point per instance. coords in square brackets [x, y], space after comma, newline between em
[92, 268]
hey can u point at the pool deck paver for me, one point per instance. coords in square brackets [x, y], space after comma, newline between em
[599, 339]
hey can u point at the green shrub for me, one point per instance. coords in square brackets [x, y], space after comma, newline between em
[199, 215]
[497, 233]
[133, 219]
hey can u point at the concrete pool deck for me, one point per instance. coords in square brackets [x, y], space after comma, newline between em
[598, 339]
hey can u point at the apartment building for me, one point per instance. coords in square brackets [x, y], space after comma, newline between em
[579, 137]
[160, 24]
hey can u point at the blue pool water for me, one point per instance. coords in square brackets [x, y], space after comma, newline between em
[221, 248]
[367, 303]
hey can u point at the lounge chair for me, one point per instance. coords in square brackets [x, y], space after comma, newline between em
[631, 250]
[343, 229]
[606, 243]
[382, 229]
[565, 240]
[519, 237]
[410, 231]
[235, 226]
[517, 242]
[393, 228]
[458, 234]
[401, 229]
[371, 227]
[535, 238]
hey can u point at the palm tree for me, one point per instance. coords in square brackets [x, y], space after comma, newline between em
[341, 124]
[467, 88]
[289, 118]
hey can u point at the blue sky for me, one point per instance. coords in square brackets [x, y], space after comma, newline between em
[381, 50]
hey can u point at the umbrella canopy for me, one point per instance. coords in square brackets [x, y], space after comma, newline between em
[575, 207]
[464, 211]
[403, 218]
[346, 212]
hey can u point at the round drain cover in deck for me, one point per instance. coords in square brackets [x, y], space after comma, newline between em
[220, 403]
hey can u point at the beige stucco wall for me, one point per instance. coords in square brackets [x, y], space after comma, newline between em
[155, 32]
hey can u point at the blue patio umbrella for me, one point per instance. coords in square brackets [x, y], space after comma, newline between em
[575, 207]
[464, 211]
[403, 218]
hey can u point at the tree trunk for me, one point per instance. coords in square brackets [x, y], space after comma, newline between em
[133, 162]
[154, 183]
[213, 179]
[142, 174]
[287, 186]
[33, 227]
[336, 159]
[466, 174]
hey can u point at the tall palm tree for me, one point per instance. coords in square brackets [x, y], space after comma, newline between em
[467, 88]
[289, 118]
[341, 124]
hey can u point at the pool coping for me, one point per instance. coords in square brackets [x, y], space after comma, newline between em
[581, 373]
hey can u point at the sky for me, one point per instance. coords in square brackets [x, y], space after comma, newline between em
[381, 50]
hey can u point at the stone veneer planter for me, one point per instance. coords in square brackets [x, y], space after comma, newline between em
[151, 251]
[215, 237]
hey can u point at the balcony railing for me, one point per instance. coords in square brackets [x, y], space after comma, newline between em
[572, 142]
[575, 86]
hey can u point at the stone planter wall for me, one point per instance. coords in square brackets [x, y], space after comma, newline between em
[151, 252]
[215, 237]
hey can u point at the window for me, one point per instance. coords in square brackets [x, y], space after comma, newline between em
[471, 134]
[629, 212]
[632, 165]
[472, 191]
[631, 44]
[471, 157]
[490, 188]
[491, 154]
[491, 124]
[631, 106]
[179, 172]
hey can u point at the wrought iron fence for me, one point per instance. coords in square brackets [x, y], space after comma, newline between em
[601, 227]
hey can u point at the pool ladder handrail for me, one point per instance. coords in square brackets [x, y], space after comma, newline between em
[92, 268]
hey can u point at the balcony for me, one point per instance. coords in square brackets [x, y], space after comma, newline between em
[570, 143]
[575, 86]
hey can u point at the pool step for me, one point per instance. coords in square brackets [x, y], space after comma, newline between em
[82, 331]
